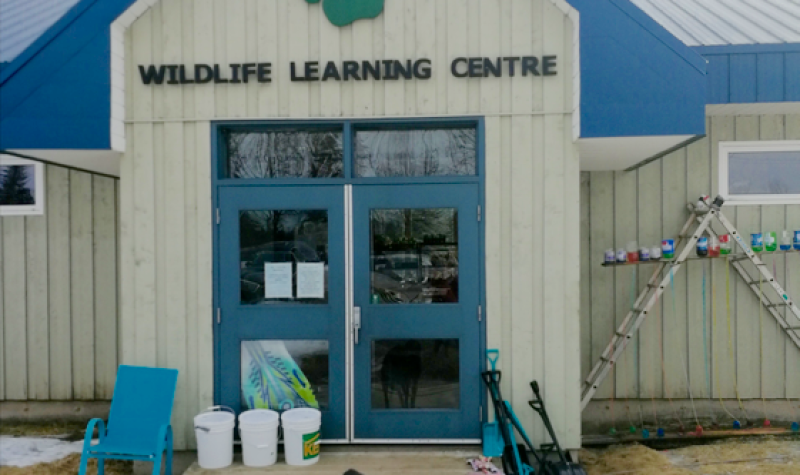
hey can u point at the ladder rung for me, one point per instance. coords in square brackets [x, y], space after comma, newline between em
[739, 258]
[621, 334]
[780, 304]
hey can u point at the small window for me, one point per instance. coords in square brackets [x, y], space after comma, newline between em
[415, 152]
[760, 172]
[21, 186]
[284, 153]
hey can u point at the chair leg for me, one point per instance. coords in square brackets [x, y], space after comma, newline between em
[157, 465]
[84, 462]
[168, 468]
[101, 466]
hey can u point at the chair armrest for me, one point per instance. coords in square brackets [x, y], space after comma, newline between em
[87, 438]
[164, 434]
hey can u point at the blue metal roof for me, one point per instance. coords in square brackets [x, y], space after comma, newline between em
[23, 21]
[727, 22]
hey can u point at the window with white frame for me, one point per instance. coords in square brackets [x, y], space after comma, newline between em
[21, 186]
[766, 172]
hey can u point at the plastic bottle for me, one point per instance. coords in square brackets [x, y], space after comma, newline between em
[796, 241]
[622, 256]
[786, 240]
[633, 252]
[702, 246]
[770, 241]
[610, 257]
[644, 253]
[757, 242]
[668, 248]
[725, 244]
[713, 247]
[655, 253]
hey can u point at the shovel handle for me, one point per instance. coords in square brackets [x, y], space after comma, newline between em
[493, 356]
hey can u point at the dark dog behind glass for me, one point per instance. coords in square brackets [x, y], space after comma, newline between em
[400, 372]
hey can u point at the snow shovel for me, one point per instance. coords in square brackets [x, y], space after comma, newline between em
[563, 466]
[492, 438]
[515, 457]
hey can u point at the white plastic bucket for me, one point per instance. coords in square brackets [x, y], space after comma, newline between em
[258, 430]
[301, 435]
[214, 431]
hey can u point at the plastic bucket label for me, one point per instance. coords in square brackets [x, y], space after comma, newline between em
[310, 445]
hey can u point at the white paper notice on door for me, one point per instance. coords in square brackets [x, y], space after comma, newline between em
[278, 280]
[311, 280]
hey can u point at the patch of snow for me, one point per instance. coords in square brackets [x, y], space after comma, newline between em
[25, 451]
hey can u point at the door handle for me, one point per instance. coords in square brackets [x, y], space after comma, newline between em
[356, 323]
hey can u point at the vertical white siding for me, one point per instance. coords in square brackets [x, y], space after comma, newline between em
[532, 178]
[58, 311]
[648, 205]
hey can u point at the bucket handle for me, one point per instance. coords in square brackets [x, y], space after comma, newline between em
[212, 409]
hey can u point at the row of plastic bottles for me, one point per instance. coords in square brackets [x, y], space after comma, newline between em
[706, 247]
[713, 247]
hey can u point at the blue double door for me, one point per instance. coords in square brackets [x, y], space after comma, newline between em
[360, 300]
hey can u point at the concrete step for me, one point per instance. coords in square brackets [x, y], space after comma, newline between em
[364, 462]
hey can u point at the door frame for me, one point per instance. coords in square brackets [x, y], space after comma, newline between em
[218, 181]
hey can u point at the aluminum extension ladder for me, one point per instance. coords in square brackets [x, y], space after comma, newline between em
[657, 285]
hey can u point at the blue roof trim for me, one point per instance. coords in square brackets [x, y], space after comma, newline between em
[752, 73]
[57, 94]
[637, 79]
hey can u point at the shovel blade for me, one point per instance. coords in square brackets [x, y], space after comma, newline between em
[492, 440]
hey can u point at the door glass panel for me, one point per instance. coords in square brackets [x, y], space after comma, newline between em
[415, 374]
[281, 374]
[414, 256]
[284, 154]
[422, 152]
[283, 256]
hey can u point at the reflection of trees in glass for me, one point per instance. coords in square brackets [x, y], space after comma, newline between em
[415, 255]
[16, 187]
[279, 236]
[433, 152]
[284, 154]
[258, 228]
[406, 228]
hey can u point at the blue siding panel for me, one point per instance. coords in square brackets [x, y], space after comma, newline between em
[770, 77]
[743, 78]
[636, 78]
[718, 79]
[792, 76]
[752, 73]
[79, 120]
[60, 95]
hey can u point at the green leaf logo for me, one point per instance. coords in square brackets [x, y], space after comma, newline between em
[344, 12]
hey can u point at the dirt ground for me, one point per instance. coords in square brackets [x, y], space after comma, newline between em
[72, 430]
[69, 465]
[756, 455]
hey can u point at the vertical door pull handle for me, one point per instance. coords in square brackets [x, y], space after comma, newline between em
[356, 323]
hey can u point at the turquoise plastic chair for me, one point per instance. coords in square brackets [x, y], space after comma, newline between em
[138, 424]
